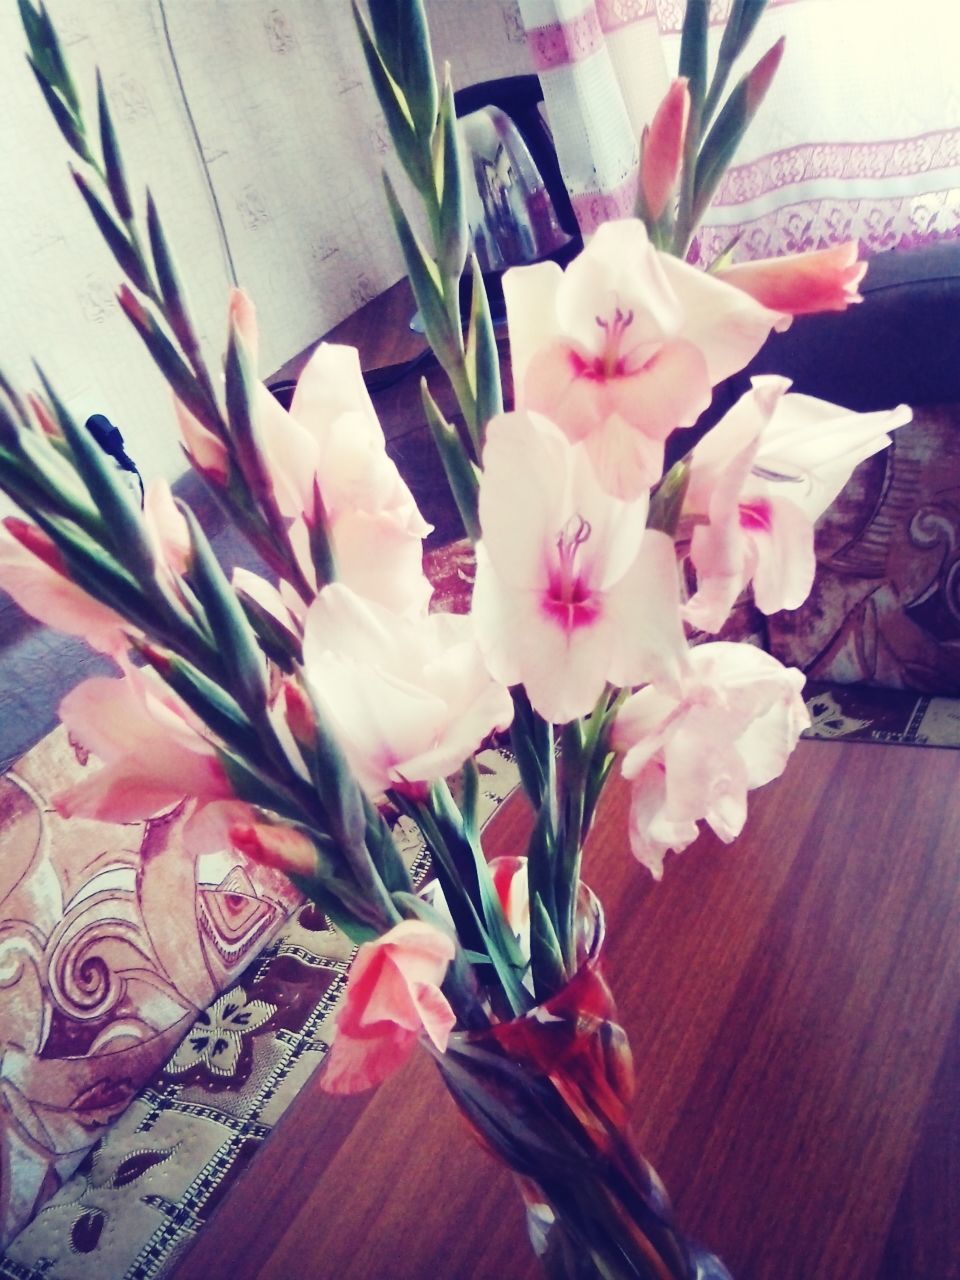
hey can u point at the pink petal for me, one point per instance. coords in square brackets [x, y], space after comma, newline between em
[166, 527]
[207, 453]
[726, 324]
[355, 1065]
[802, 283]
[785, 563]
[530, 294]
[32, 572]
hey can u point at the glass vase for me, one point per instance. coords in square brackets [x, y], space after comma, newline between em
[548, 1094]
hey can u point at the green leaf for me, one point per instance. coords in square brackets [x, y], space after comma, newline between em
[116, 238]
[383, 850]
[460, 471]
[334, 907]
[412, 153]
[454, 234]
[91, 567]
[242, 657]
[321, 546]
[59, 71]
[277, 641]
[666, 502]
[482, 357]
[741, 22]
[549, 972]
[170, 288]
[68, 126]
[336, 787]
[212, 703]
[693, 49]
[425, 282]
[403, 40]
[182, 382]
[112, 159]
[721, 143]
[124, 526]
[247, 784]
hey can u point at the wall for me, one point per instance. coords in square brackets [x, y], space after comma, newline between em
[255, 128]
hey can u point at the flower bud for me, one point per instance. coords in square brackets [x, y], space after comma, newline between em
[663, 145]
[283, 848]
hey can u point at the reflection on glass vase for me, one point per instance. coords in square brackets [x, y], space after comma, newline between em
[548, 1095]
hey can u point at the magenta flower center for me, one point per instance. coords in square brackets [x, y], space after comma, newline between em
[755, 516]
[569, 599]
[611, 362]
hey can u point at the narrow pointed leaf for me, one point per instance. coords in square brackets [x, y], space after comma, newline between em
[59, 71]
[549, 971]
[277, 642]
[115, 237]
[242, 656]
[411, 152]
[483, 358]
[743, 18]
[170, 288]
[454, 232]
[182, 382]
[109, 492]
[64, 120]
[403, 39]
[424, 280]
[693, 49]
[460, 471]
[720, 144]
[218, 711]
[112, 159]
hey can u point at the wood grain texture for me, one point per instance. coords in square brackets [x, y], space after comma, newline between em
[793, 1005]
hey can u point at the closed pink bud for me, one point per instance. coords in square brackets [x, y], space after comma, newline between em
[759, 79]
[663, 145]
[284, 848]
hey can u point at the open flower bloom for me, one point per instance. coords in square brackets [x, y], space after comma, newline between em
[624, 345]
[393, 996]
[409, 698]
[695, 754]
[331, 443]
[151, 743]
[34, 573]
[572, 590]
[761, 478]
[802, 283]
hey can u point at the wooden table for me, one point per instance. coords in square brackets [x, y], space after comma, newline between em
[794, 1006]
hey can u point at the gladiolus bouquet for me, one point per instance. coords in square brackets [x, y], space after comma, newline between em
[287, 707]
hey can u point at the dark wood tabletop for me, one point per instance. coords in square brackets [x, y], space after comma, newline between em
[793, 1001]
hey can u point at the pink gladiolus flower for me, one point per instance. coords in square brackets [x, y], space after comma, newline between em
[152, 746]
[762, 477]
[35, 575]
[409, 698]
[393, 996]
[624, 346]
[694, 755]
[802, 283]
[572, 590]
[663, 147]
[332, 442]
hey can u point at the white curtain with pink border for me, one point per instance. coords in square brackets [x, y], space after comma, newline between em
[859, 137]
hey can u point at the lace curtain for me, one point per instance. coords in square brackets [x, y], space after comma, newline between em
[859, 137]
